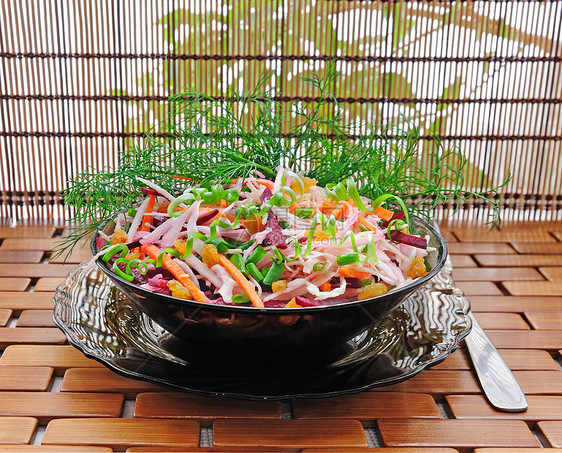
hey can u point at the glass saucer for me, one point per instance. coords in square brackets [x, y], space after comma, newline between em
[105, 325]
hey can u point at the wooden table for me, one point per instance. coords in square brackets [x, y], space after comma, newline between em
[51, 395]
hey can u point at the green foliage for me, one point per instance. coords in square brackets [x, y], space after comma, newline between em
[211, 140]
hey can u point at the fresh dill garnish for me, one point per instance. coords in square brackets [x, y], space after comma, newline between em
[209, 140]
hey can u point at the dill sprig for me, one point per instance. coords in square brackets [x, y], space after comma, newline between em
[212, 140]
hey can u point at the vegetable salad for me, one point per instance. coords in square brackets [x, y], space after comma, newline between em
[265, 243]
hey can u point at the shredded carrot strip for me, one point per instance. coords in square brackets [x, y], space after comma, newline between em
[383, 213]
[353, 273]
[265, 182]
[293, 207]
[241, 280]
[152, 251]
[147, 219]
[366, 224]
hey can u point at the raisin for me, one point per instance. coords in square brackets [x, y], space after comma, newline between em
[178, 290]
[119, 237]
[417, 268]
[279, 285]
[210, 255]
[372, 290]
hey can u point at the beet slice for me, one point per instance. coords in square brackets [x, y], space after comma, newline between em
[207, 216]
[408, 239]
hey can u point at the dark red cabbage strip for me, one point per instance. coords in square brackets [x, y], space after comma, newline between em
[275, 236]
[158, 284]
[266, 195]
[408, 239]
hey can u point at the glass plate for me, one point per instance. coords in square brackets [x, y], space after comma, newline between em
[101, 322]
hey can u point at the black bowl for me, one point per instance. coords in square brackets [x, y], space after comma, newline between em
[229, 330]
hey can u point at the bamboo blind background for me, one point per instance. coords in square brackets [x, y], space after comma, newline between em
[80, 80]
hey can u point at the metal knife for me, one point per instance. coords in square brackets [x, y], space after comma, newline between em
[496, 379]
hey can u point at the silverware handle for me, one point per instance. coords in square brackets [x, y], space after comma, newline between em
[500, 386]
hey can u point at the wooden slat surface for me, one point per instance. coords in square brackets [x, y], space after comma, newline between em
[496, 274]
[36, 318]
[14, 284]
[27, 232]
[533, 260]
[551, 273]
[45, 406]
[510, 277]
[48, 284]
[367, 407]
[59, 357]
[30, 335]
[25, 378]
[104, 380]
[201, 409]
[5, 315]
[54, 449]
[17, 430]
[552, 430]
[462, 261]
[437, 382]
[516, 359]
[289, 433]
[533, 288]
[532, 339]
[120, 433]
[13, 256]
[472, 248]
[544, 321]
[530, 247]
[476, 407]
[476, 235]
[35, 244]
[502, 321]
[18, 301]
[456, 433]
[35, 270]
[515, 304]
[479, 288]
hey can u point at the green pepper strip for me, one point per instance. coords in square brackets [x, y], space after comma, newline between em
[274, 273]
[122, 249]
[319, 266]
[254, 271]
[398, 224]
[328, 226]
[350, 258]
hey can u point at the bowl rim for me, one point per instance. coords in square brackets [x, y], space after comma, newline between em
[409, 288]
